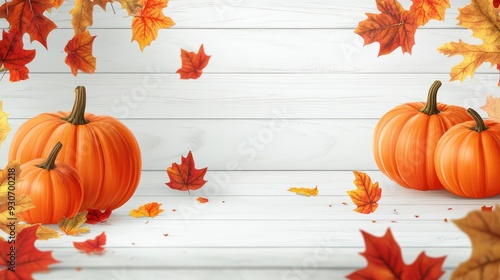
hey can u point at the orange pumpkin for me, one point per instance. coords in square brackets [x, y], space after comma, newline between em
[468, 157]
[101, 148]
[405, 139]
[55, 189]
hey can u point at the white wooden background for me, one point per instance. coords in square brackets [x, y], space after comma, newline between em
[290, 98]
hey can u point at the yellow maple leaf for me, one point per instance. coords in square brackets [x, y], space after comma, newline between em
[82, 15]
[132, 6]
[72, 226]
[151, 209]
[148, 20]
[483, 12]
[42, 232]
[305, 191]
[483, 229]
[492, 107]
[366, 195]
[4, 124]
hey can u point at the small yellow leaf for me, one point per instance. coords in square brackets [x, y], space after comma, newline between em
[305, 191]
[151, 209]
[492, 107]
[73, 225]
[4, 125]
[366, 195]
[42, 232]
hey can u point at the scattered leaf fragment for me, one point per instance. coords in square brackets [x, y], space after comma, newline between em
[193, 63]
[202, 199]
[445, 220]
[450, 209]
[73, 225]
[366, 194]
[165, 234]
[344, 203]
[92, 245]
[95, 216]
[417, 216]
[151, 209]
[185, 176]
[148, 20]
[487, 208]
[79, 53]
[305, 191]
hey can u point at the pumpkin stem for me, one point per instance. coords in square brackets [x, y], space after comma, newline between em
[431, 105]
[49, 164]
[480, 126]
[77, 115]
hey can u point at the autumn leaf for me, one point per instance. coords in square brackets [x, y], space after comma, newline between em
[496, 3]
[95, 216]
[92, 245]
[42, 233]
[82, 15]
[425, 10]
[193, 63]
[132, 6]
[366, 194]
[72, 226]
[394, 27]
[151, 209]
[4, 128]
[487, 208]
[28, 258]
[492, 107]
[79, 50]
[483, 229]
[305, 191]
[148, 20]
[478, 11]
[202, 199]
[185, 176]
[385, 261]
[14, 57]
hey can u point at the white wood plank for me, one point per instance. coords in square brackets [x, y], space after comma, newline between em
[305, 96]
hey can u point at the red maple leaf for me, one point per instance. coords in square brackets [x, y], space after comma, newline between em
[28, 259]
[386, 262]
[95, 216]
[79, 50]
[496, 3]
[394, 27]
[193, 63]
[14, 57]
[92, 245]
[186, 177]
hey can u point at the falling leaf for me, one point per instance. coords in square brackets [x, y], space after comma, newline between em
[305, 191]
[132, 6]
[95, 216]
[82, 15]
[385, 261]
[79, 50]
[148, 20]
[73, 225]
[4, 128]
[366, 195]
[42, 232]
[483, 230]
[202, 199]
[186, 177]
[425, 10]
[487, 208]
[193, 63]
[492, 107]
[394, 27]
[478, 11]
[14, 57]
[28, 258]
[151, 209]
[92, 245]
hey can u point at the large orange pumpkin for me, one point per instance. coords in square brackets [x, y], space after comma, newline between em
[55, 189]
[468, 158]
[101, 148]
[405, 139]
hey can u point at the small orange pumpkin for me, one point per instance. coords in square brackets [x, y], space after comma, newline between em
[468, 157]
[102, 149]
[405, 140]
[55, 189]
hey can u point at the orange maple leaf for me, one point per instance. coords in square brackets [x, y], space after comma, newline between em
[95, 216]
[193, 63]
[28, 259]
[394, 27]
[148, 20]
[492, 107]
[487, 208]
[92, 245]
[79, 50]
[386, 262]
[202, 199]
[185, 176]
[366, 194]
[82, 15]
[425, 10]
[14, 57]
[151, 209]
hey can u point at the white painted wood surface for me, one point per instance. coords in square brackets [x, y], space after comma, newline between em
[290, 98]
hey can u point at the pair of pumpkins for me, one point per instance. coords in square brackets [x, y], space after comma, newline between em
[98, 162]
[430, 146]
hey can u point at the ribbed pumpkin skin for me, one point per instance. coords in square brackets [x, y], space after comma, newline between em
[405, 141]
[56, 193]
[468, 162]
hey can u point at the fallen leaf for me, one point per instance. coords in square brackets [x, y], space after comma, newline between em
[496, 3]
[148, 20]
[487, 208]
[344, 203]
[492, 107]
[445, 220]
[14, 57]
[305, 191]
[92, 245]
[132, 6]
[450, 208]
[151, 209]
[425, 10]
[385, 261]
[28, 258]
[95, 216]
[202, 199]
[186, 177]
[366, 195]
[4, 128]
[193, 63]
[42, 232]
[72, 226]
[165, 234]
[417, 216]
[79, 50]
[82, 15]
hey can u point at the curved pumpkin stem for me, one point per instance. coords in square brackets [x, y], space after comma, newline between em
[431, 105]
[480, 126]
[49, 164]
[77, 115]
